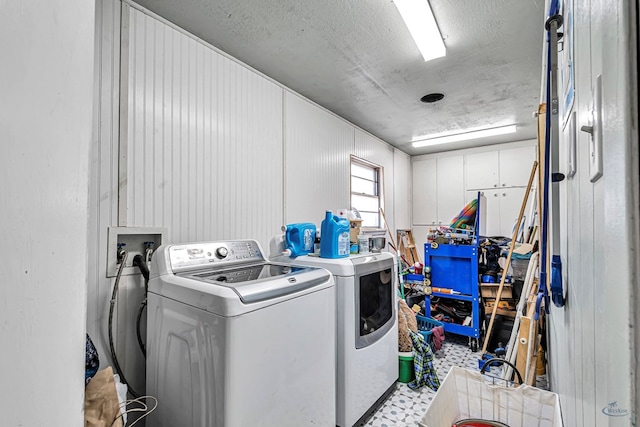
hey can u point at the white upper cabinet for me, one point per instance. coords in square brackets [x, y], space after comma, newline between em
[481, 170]
[499, 168]
[424, 192]
[450, 186]
[438, 190]
[515, 166]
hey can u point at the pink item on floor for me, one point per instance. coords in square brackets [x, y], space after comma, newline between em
[438, 337]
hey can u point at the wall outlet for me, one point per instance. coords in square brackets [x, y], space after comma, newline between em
[135, 241]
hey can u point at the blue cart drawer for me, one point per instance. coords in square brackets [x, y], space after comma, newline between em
[461, 251]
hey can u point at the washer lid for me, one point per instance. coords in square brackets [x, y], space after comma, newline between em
[263, 281]
[348, 266]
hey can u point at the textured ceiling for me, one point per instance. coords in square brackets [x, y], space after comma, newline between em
[357, 59]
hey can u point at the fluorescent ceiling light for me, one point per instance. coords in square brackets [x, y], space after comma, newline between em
[484, 133]
[418, 18]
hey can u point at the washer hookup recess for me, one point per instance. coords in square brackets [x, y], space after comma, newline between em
[134, 240]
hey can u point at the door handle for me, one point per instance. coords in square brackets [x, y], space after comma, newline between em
[587, 129]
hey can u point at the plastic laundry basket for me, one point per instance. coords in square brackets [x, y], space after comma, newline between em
[467, 394]
[425, 325]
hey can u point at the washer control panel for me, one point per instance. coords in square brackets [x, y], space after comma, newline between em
[190, 255]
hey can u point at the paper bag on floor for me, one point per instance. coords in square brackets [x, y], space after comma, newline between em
[101, 405]
[406, 321]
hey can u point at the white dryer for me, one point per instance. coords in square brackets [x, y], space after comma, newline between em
[236, 341]
[367, 329]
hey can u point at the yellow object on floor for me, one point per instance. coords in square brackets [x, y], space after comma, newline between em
[541, 368]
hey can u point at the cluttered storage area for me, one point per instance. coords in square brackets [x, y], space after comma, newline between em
[474, 276]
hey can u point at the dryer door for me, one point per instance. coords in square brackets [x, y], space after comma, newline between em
[374, 298]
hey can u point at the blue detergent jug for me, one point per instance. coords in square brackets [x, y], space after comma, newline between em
[299, 238]
[334, 236]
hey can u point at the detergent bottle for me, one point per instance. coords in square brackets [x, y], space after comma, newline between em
[334, 241]
[299, 238]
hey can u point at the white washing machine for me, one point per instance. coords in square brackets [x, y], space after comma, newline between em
[367, 328]
[236, 341]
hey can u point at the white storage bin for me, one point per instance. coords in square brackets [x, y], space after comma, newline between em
[466, 394]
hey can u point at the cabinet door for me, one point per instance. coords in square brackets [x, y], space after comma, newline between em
[515, 166]
[510, 204]
[450, 188]
[424, 192]
[481, 170]
[491, 222]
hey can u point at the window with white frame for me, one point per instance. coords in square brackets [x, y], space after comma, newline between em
[366, 191]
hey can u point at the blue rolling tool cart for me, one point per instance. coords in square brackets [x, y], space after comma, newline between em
[454, 278]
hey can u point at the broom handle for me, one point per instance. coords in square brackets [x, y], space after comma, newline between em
[506, 267]
[393, 242]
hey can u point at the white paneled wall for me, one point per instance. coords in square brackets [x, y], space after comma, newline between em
[317, 163]
[380, 153]
[103, 182]
[204, 139]
[592, 352]
[209, 149]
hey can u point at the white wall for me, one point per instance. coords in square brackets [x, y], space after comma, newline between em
[592, 357]
[213, 150]
[317, 165]
[203, 137]
[45, 127]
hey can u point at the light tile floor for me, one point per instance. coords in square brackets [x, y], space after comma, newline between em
[406, 407]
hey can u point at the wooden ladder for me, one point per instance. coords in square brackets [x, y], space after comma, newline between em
[407, 246]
